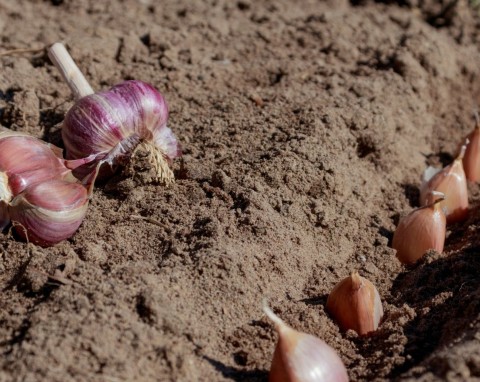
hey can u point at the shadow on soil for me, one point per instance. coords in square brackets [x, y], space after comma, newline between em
[238, 374]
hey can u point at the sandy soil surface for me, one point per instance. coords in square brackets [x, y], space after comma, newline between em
[305, 126]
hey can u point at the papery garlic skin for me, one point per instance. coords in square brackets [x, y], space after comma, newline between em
[421, 230]
[111, 124]
[471, 159]
[453, 183]
[49, 212]
[355, 304]
[301, 357]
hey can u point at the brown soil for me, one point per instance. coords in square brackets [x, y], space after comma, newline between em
[305, 126]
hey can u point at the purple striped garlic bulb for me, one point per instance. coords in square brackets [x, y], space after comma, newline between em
[38, 193]
[113, 124]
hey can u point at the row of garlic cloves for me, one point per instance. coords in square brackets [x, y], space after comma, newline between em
[355, 304]
[443, 199]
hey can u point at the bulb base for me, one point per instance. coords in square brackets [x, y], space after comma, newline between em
[162, 172]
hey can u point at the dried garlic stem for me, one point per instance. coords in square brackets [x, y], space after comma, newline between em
[69, 70]
[272, 316]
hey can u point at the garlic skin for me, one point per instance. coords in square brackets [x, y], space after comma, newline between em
[452, 182]
[300, 357]
[421, 230]
[110, 125]
[355, 304]
[471, 159]
[38, 192]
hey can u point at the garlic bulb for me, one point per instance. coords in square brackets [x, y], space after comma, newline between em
[421, 230]
[38, 192]
[452, 182]
[301, 357]
[112, 124]
[471, 159]
[355, 304]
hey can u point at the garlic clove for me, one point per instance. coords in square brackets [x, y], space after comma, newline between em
[301, 357]
[355, 304]
[421, 230]
[93, 120]
[453, 183]
[49, 212]
[471, 159]
[25, 160]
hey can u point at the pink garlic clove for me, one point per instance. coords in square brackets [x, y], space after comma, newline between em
[471, 159]
[49, 212]
[452, 182]
[301, 357]
[25, 160]
[421, 230]
[355, 304]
